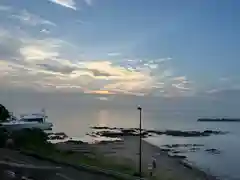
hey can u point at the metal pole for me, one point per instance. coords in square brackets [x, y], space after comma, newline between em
[140, 141]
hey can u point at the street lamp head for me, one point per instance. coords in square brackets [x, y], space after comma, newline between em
[139, 108]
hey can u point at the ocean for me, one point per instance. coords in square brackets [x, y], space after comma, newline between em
[74, 114]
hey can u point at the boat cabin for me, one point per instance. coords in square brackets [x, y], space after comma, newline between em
[33, 118]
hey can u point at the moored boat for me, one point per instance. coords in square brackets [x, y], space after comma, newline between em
[29, 121]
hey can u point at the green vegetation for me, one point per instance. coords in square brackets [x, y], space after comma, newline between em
[34, 142]
[77, 158]
[4, 113]
[3, 137]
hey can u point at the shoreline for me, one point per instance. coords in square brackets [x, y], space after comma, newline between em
[184, 162]
[120, 156]
[126, 152]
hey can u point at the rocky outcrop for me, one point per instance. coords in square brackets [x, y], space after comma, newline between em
[213, 151]
[57, 136]
[121, 132]
[182, 145]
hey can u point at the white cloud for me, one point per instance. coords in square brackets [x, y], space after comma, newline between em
[161, 60]
[66, 3]
[40, 50]
[80, 21]
[30, 19]
[88, 2]
[114, 54]
[231, 88]
[224, 79]
[102, 98]
[5, 8]
[212, 91]
[46, 64]
[4, 33]
[181, 86]
[45, 31]
[35, 53]
[180, 78]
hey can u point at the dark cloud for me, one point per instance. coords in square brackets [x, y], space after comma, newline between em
[58, 68]
[99, 73]
[9, 48]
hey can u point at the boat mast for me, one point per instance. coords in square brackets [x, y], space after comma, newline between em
[44, 115]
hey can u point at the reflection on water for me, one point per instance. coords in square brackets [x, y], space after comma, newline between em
[103, 118]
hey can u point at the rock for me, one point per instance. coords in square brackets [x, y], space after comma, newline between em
[92, 134]
[213, 151]
[178, 156]
[190, 133]
[120, 134]
[155, 132]
[75, 142]
[100, 127]
[165, 150]
[57, 136]
[129, 131]
[109, 132]
[105, 128]
[60, 134]
[186, 164]
[107, 142]
[194, 149]
[182, 145]
[176, 152]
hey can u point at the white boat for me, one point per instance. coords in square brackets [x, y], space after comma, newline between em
[31, 121]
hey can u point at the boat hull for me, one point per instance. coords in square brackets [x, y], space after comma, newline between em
[19, 126]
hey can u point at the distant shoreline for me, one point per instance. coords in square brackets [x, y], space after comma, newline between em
[218, 120]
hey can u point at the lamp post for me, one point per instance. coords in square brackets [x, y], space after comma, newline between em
[140, 141]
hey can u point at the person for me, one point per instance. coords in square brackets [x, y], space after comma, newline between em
[154, 165]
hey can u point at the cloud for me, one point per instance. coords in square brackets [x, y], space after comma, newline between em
[181, 83]
[30, 19]
[181, 86]
[88, 2]
[99, 73]
[9, 45]
[37, 53]
[227, 93]
[180, 78]
[57, 68]
[161, 60]
[223, 89]
[45, 31]
[114, 54]
[5, 8]
[103, 98]
[65, 3]
[46, 64]
[224, 79]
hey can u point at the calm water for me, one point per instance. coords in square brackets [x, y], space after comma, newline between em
[74, 114]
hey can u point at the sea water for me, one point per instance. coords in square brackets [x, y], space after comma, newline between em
[74, 114]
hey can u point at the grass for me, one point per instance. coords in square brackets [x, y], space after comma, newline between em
[76, 158]
[35, 141]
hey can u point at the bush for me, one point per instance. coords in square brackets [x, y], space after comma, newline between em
[29, 137]
[3, 137]
[4, 113]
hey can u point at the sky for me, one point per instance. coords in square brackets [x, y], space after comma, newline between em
[166, 48]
